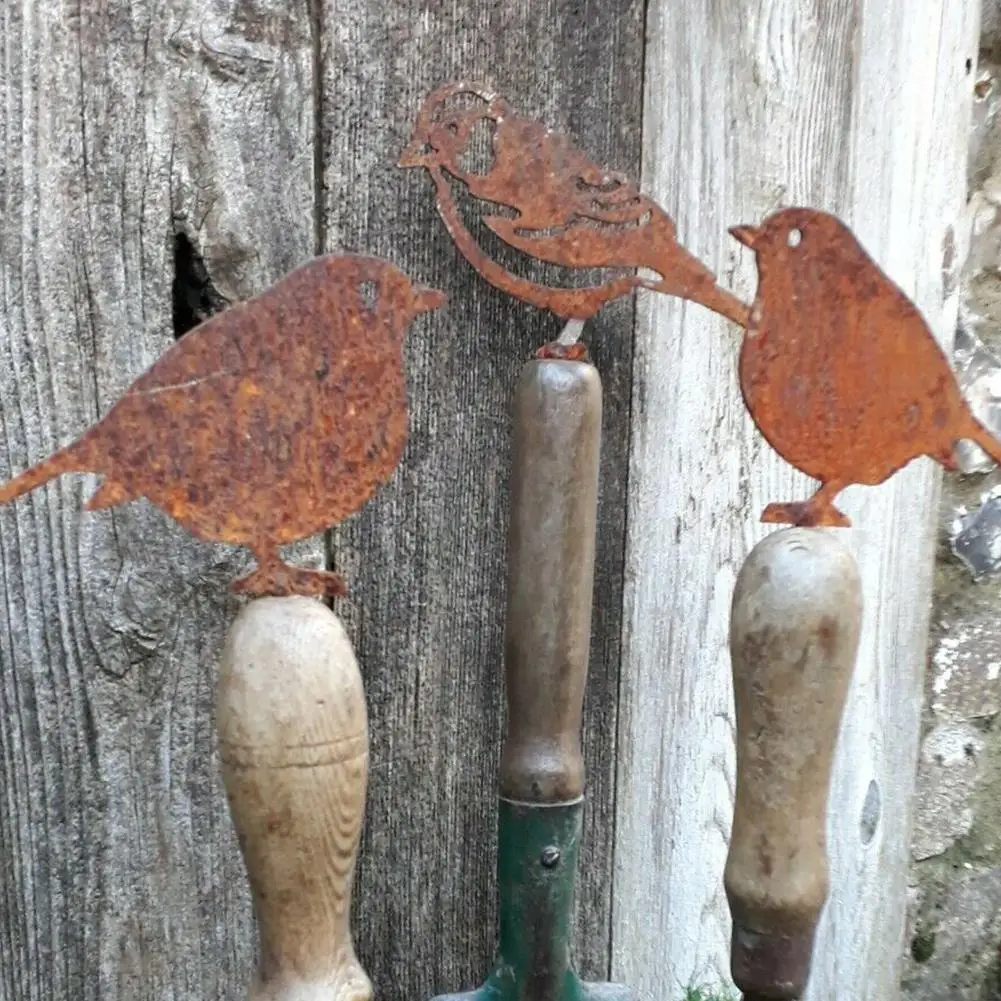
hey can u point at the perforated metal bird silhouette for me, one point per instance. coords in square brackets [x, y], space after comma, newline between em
[267, 423]
[838, 369]
[569, 211]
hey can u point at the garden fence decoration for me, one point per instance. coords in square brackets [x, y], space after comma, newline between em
[281, 416]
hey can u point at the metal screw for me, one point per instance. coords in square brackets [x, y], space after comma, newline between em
[550, 857]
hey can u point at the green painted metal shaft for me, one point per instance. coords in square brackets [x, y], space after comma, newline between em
[536, 878]
[536, 867]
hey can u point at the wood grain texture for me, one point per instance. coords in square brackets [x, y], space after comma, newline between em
[121, 123]
[293, 739]
[427, 558]
[124, 122]
[861, 108]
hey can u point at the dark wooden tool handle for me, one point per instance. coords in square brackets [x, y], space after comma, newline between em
[793, 640]
[293, 736]
[554, 490]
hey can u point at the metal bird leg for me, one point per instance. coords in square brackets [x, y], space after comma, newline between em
[571, 332]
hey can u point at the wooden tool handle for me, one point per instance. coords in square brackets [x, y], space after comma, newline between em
[293, 736]
[554, 490]
[793, 639]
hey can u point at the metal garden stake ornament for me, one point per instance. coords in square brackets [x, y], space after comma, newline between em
[281, 416]
[569, 211]
[553, 516]
[267, 423]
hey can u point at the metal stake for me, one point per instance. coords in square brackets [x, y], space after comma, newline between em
[557, 419]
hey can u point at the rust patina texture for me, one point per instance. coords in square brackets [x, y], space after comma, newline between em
[267, 423]
[569, 211]
[838, 369]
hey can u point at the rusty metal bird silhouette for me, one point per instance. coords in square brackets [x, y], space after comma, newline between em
[838, 369]
[569, 211]
[267, 423]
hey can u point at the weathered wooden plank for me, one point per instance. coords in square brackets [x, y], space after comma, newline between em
[427, 559]
[123, 123]
[859, 108]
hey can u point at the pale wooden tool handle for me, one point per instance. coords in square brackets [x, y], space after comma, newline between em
[293, 736]
[554, 496]
[793, 640]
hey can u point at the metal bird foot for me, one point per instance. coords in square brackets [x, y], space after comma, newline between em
[839, 370]
[569, 211]
[267, 423]
[275, 577]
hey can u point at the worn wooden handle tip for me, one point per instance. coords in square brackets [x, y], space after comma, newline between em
[794, 634]
[293, 737]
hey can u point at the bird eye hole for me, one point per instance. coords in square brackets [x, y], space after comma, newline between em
[795, 237]
[453, 127]
[369, 294]
[477, 156]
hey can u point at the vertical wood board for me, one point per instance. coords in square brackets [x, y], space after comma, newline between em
[427, 558]
[859, 108]
[122, 124]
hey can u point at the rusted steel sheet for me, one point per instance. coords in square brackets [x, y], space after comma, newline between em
[568, 210]
[267, 423]
[838, 369]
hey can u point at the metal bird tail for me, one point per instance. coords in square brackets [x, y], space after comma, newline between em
[67, 460]
[979, 434]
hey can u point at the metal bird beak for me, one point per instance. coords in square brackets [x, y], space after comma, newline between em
[747, 235]
[415, 155]
[428, 299]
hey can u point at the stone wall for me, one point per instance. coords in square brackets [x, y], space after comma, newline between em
[955, 905]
